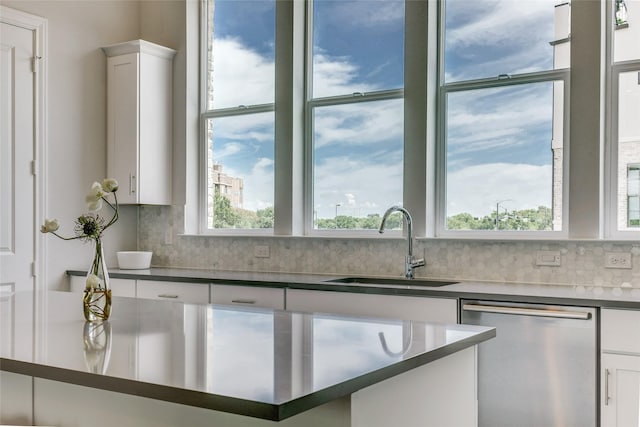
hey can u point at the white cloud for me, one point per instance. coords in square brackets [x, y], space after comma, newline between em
[226, 150]
[519, 30]
[360, 186]
[241, 75]
[489, 119]
[259, 185]
[336, 76]
[477, 189]
[367, 13]
[358, 124]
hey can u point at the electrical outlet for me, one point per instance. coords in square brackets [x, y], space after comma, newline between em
[168, 236]
[261, 251]
[548, 258]
[617, 260]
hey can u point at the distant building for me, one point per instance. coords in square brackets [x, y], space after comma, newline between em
[227, 186]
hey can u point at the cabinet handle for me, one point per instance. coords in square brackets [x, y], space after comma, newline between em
[132, 183]
[523, 311]
[607, 373]
[243, 301]
[168, 296]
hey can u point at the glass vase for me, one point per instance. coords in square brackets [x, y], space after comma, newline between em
[96, 300]
[97, 346]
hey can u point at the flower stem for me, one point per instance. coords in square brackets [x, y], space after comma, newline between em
[114, 218]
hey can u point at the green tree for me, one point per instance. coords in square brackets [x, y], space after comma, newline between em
[462, 221]
[371, 222]
[264, 218]
[346, 222]
[224, 215]
[326, 224]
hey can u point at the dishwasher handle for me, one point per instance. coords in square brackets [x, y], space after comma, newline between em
[523, 311]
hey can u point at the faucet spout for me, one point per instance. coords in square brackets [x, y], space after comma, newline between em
[410, 261]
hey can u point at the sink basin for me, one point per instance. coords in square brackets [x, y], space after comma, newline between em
[387, 281]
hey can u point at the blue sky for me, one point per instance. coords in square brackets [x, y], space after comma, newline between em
[499, 140]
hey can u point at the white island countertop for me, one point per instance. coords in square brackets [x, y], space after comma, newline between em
[260, 363]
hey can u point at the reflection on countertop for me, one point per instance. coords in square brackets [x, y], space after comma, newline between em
[209, 355]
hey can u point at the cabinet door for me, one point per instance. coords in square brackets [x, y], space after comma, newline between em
[155, 115]
[122, 124]
[443, 310]
[620, 394]
[251, 296]
[196, 293]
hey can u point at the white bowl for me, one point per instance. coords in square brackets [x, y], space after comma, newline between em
[134, 260]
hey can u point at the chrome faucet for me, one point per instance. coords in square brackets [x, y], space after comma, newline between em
[410, 261]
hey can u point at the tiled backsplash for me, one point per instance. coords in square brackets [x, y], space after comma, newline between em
[582, 263]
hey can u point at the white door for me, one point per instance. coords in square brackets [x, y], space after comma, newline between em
[17, 152]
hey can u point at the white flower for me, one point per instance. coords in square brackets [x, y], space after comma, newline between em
[93, 281]
[94, 198]
[110, 185]
[50, 225]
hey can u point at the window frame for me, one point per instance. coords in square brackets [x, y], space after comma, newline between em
[614, 70]
[502, 80]
[585, 202]
[332, 101]
[612, 201]
[328, 101]
[207, 114]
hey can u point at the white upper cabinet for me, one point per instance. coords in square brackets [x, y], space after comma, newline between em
[139, 121]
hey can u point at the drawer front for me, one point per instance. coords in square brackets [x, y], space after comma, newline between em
[248, 296]
[620, 330]
[196, 293]
[442, 310]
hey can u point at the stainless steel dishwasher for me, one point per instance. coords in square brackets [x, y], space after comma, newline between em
[540, 370]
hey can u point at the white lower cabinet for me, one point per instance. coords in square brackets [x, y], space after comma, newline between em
[195, 293]
[620, 390]
[119, 287]
[248, 296]
[16, 402]
[444, 310]
[620, 368]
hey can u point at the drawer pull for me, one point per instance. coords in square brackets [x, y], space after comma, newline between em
[606, 387]
[523, 311]
[243, 301]
[168, 296]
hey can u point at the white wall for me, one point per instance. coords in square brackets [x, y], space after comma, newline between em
[76, 108]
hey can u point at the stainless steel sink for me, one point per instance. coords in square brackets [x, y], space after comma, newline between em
[387, 281]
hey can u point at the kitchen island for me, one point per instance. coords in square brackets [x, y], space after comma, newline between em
[166, 363]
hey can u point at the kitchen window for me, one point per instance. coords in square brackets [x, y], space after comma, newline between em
[502, 108]
[238, 117]
[624, 54]
[448, 108]
[355, 112]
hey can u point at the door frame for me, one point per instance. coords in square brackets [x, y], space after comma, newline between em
[39, 26]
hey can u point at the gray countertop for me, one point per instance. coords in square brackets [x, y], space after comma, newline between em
[246, 361]
[597, 296]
